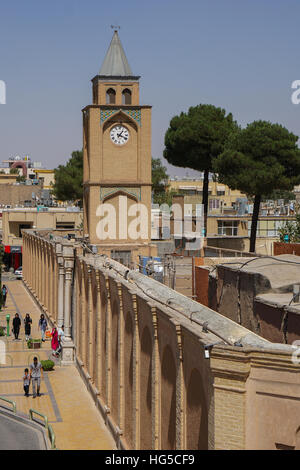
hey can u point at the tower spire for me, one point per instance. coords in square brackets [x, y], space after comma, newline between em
[115, 63]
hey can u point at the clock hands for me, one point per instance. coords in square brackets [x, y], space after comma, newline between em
[119, 136]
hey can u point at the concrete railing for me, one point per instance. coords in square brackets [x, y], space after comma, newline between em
[32, 412]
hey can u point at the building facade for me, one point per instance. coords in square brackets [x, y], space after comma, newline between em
[117, 160]
[164, 371]
[14, 221]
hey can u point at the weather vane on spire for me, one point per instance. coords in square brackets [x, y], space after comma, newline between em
[116, 28]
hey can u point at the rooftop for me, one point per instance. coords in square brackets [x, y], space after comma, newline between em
[115, 63]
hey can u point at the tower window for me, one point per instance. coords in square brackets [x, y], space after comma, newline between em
[110, 96]
[126, 96]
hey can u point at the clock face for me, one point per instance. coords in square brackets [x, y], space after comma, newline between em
[119, 135]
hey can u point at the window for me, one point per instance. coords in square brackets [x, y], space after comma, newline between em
[190, 192]
[220, 193]
[228, 227]
[266, 228]
[65, 225]
[214, 204]
[110, 96]
[126, 96]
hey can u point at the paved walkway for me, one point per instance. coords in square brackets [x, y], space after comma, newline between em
[76, 422]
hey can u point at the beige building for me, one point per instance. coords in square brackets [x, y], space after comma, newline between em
[46, 177]
[221, 199]
[7, 178]
[164, 371]
[16, 220]
[117, 159]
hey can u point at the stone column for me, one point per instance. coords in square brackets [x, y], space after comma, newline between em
[39, 279]
[98, 365]
[61, 283]
[46, 289]
[24, 254]
[67, 303]
[32, 262]
[42, 271]
[227, 416]
[121, 361]
[51, 281]
[55, 286]
[68, 347]
[91, 330]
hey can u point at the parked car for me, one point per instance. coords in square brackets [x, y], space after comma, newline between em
[19, 272]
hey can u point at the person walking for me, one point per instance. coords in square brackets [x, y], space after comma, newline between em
[4, 294]
[43, 326]
[36, 374]
[54, 341]
[61, 334]
[27, 322]
[26, 382]
[16, 326]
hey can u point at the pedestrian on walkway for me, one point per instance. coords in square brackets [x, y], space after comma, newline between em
[16, 325]
[26, 382]
[43, 326]
[54, 341]
[61, 335]
[4, 294]
[36, 374]
[27, 322]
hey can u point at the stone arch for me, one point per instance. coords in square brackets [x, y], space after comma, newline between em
[128, 378]
[94, 325]
[94, 288]
[115, 360]
[111, 96]
[120, 118]
[126, 96]
[21, 165]
[85, 312]
[120, 192]
[104, 342]
[78, 280]
[196, 414]
[146, 390]
[168, 400]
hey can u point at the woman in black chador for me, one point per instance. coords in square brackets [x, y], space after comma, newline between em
[27, 323]
[16, 325]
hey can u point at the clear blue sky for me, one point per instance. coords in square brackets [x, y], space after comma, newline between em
[242, 55]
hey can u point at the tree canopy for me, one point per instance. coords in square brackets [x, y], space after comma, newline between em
[159, 176]
[68, 179]
[160, 183]
[258, 160]
[194, 139]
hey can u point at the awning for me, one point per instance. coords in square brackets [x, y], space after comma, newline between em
[12, 249]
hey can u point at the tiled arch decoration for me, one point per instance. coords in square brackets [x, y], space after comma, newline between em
[109, 191]
[135, 114]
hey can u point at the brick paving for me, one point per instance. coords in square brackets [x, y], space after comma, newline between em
[76, 422]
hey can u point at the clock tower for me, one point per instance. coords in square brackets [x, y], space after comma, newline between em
[117, 162]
